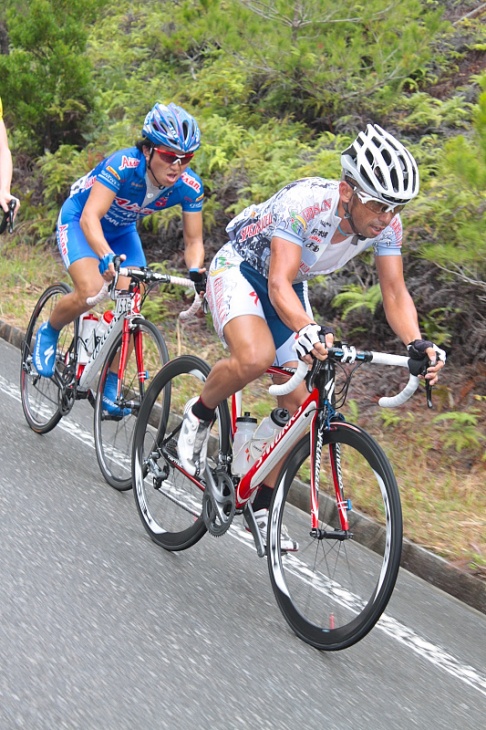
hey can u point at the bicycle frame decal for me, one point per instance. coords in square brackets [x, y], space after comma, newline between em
[335, 459]
[284, 440]
[93, 364]
[316, 449]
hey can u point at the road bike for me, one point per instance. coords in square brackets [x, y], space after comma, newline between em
[131, 347]
[333, 590]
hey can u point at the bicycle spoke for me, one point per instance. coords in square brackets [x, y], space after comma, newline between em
[170, 502]
[334, 589]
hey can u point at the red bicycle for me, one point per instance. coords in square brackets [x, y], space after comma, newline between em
[123, 345]
[333, 590]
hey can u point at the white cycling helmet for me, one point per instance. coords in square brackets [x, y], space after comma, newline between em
[381, 166]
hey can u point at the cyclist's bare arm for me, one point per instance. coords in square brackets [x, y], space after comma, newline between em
[285, 261]
[192, 229]
[99, 202]
[400, 309]
[5, 169]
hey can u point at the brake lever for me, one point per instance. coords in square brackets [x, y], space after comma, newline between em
[8, 217]
[11, 209]
[428, 393]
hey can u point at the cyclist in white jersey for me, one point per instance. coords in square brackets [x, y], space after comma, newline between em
[99, 219]
[257, 288]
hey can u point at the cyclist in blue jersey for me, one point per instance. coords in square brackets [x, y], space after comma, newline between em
[99, 219]
[257, 283]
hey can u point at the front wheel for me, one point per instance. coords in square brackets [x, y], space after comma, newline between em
[169, 502]
[113, 432]
[334, 589]
[42, 398]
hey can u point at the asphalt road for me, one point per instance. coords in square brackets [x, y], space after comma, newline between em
[100, 629]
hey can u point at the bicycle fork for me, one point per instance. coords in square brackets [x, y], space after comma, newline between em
[343, 505]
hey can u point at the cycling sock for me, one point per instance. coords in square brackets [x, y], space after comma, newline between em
[263, 498]
[50, 331]
[202, 412]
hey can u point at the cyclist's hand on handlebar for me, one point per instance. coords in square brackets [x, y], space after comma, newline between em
[199, 277]
[433, 356]
[312, 341]
[106, 266]
[8, 210]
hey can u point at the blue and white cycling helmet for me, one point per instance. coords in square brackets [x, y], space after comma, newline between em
[381, 166]
[170, 125]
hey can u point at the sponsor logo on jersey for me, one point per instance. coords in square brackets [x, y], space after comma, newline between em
[62, 238]
[129, 162]
[296, 223]
[131, 207]
[113, 172]
[254, 229]
[191, 181]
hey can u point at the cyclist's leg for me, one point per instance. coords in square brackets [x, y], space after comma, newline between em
[82, 265]
[169, 502]
[114, 421]
[239, 321]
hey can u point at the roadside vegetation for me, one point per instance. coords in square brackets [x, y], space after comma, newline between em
[279, 88]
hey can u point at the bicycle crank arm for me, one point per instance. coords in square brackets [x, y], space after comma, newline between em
[253, 527]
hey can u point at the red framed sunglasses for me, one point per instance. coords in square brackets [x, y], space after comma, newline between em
[171, 157]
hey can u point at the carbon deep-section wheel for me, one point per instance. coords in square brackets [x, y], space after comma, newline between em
[114, 424]
[42, 398]
[333, 590]
[169, 501]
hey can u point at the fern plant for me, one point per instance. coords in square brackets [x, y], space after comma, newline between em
[356, 296]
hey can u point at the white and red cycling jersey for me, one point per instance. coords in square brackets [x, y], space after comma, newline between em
[305, 213]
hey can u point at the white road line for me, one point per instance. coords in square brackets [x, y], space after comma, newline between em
[393, 628]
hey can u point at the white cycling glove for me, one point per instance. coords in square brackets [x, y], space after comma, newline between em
[307, 337]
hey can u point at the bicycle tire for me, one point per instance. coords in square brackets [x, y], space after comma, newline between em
[113, 436]
[332, 592]
[169, 502]
[41, 397]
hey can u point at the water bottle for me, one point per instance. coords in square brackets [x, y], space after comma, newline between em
[245, 427]
[267, 430]
[87, 326]
[104, 324]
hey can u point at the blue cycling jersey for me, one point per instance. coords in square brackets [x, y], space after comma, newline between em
[124, 172]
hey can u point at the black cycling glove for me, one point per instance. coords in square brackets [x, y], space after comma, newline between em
[199, 279]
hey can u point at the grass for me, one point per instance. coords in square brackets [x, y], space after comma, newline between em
[441, 476]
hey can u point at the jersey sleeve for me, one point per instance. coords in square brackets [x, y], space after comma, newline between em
[193, 192]
[1, 108]
[113, 171]
[296, 209]
[389, 243]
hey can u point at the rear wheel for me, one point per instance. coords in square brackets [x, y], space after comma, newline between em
[334, 589]
[169, 502]
[42, 399]
[113, 434]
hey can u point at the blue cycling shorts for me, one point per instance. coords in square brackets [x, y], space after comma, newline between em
[72, 243]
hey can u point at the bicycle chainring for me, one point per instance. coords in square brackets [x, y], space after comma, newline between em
[218, 502]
